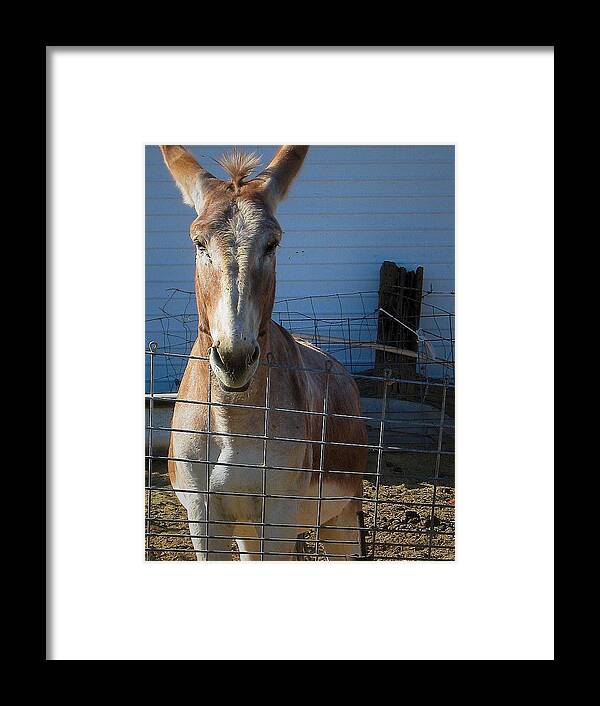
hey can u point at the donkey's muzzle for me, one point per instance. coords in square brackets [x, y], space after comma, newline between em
[234, 366]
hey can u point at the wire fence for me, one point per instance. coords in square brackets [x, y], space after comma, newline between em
[404, 496]
[343, 325]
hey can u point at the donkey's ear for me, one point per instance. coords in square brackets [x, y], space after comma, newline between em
[280, 173]
[191, 178]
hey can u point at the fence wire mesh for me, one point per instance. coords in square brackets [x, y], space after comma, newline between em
[407, 405]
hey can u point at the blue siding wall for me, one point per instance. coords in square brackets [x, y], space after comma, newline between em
[350, 209]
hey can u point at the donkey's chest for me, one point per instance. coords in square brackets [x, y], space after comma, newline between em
[237, 467]
[247, 453]
[260, 465]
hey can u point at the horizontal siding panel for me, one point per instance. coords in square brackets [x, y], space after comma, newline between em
[157, 294]
[329, 206]
[353, 240]
[347, 238]
[335, 272]
[341, 170]
[320, 153]
[352, 305]
[180, 301]
[318, 247]
[370, 221]
[320, 189]
[299, 257]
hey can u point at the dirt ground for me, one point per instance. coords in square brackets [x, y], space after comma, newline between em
[414, 521]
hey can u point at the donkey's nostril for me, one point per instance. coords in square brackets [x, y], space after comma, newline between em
[219, 360]
[253, 357]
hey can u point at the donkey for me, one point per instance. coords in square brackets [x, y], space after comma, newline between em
[242, 415]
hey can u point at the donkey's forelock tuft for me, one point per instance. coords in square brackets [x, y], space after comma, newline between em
[239, 165]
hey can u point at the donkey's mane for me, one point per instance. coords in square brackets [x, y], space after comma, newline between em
[239, 165]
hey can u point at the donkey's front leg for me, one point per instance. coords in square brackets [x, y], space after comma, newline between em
[195, 506]
[219, 535]
[190, 486]
[280, 542]
[219, 542]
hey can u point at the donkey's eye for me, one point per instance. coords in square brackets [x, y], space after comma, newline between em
[271, 247]
[201, 249]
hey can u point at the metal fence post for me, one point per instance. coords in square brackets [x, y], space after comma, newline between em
[152, 346]
[328, 367]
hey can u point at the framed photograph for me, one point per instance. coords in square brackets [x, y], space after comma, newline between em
[317, 268]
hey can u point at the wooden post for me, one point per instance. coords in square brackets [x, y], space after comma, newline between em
[388, 277]
[400, 293]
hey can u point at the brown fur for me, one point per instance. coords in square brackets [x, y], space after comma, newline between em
[239, 166]
[307, 391]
